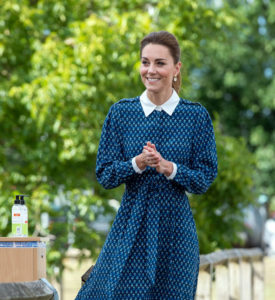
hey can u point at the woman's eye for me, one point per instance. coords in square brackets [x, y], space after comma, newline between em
[159, 63]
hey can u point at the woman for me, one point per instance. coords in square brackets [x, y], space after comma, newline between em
[160, 146]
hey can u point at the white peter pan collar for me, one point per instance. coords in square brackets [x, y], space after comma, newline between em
[168, 106]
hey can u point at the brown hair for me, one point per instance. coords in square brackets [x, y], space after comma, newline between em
[168, 40]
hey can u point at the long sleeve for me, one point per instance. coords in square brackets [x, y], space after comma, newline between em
[111, 169]
[202, 169]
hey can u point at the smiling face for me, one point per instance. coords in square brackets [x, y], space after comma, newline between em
[157, 70]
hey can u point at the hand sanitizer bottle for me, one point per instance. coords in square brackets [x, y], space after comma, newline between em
[24, 213]
[16, 218]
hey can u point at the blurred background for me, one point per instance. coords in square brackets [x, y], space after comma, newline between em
[64, 63]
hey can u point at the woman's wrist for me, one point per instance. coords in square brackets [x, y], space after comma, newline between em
[140, 162]
[168, 168]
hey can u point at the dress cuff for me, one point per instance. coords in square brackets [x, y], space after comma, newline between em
[135, 166]
[173, 174]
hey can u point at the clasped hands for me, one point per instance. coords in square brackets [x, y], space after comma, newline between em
[152, 158]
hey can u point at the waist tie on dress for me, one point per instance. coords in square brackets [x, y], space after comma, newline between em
[143, 202]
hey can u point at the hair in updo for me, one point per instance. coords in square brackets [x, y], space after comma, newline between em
[168, 40]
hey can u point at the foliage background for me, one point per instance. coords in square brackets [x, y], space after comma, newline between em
[62, 65]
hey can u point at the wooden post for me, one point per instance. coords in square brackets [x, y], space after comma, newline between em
[234, 279]
[204, 284]
[246, 280]
[222, 282]
[239, 275]
[258, 279]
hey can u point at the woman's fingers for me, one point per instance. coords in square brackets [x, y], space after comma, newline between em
[153, 161]
[148, 148]
[153, 147]
[149, 144]
[151, 156]
[148, 153]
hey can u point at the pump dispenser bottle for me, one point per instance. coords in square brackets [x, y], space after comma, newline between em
[24, 213]
[16, 218]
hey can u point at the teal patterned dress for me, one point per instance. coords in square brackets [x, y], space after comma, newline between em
[152, 250]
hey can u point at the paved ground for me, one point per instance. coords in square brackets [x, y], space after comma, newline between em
[74, 272]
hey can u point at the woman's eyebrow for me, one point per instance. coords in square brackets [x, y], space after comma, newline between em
[143, 57]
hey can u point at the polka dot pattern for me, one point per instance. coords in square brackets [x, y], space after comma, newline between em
[152, 251]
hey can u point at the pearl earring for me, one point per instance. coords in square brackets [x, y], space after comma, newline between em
[175, 78]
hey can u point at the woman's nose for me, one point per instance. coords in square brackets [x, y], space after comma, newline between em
[151, 69]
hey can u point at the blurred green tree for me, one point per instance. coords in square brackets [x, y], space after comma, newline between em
[219, 213]
[236, 79]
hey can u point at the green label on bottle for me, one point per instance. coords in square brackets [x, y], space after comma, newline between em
[25, 229]
[17, 229]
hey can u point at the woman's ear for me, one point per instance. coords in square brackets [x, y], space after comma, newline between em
[178, 66]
